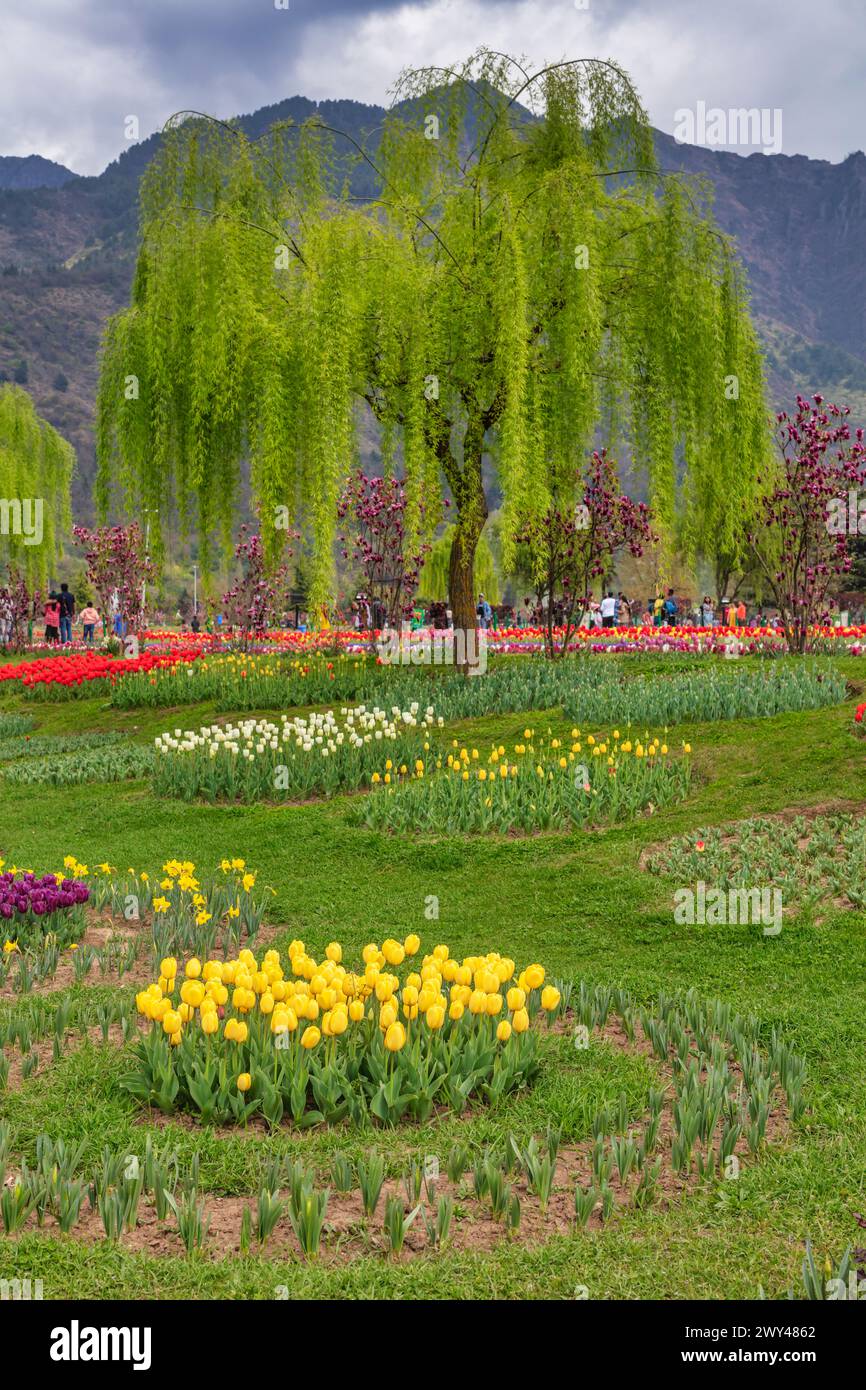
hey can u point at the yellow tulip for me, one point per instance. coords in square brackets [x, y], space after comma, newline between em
[192, 993]
[549, 998]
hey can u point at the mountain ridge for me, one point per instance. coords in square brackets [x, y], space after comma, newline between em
[67, 254]
[32, 171]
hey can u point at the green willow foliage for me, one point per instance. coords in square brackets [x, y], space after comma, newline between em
[524, 279]
[36, 465]
[433, 579]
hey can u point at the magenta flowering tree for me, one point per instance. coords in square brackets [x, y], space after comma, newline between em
[376, 543]
[117, 562]
[569, 550]
[256, 599]
[800, 549]
[18, 605]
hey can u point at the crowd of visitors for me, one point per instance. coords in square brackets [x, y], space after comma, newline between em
[59, 616]
[612, 610]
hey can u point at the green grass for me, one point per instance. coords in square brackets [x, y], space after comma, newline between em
[577, 902]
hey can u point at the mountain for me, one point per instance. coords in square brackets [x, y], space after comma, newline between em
[67, 254]
[32, 171]
[800, 226]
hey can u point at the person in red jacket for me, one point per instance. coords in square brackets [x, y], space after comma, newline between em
[52, 620]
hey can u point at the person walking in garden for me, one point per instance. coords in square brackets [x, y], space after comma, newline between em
[671, 609]
[741, 614]
[89, 619]
[51, 614]
[608, 610]
[483, 612]
[67, 613]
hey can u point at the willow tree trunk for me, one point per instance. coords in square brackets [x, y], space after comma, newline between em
[467, 487]
[461, 592]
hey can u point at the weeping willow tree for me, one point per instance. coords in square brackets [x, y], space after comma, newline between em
[433, 582]
[524, 280]
[36, 467]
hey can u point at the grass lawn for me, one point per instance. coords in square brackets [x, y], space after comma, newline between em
[579, 903]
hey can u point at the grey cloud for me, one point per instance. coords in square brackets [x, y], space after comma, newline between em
[70, 74]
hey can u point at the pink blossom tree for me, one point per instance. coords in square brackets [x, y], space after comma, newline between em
[569, 550]
[800, 549]
[18, 605]
[255, 601]
[376, 542]
[117, 561]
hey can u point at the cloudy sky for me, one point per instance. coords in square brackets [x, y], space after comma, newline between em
[73, 71]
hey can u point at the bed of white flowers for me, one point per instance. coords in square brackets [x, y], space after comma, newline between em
[320, 754]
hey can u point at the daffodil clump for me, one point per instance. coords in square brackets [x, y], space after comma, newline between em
[539, 783]
[321, 754]
[320, 1043]
[188, 912]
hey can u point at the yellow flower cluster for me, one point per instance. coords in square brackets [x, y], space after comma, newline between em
[181, 874]
[73, 868]
[468, 764]
[327, 997]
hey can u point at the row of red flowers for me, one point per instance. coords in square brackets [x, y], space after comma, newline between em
[78, 668]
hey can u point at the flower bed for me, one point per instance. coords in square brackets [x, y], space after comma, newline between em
[815, 862]
[31, 906]
[246, 681]
[45, 745]
[258, 760]
[15, 726]
[67, 677]
[720, 693]
[541, 784]
[323, 1044]
[118, 763]
[189, 912]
